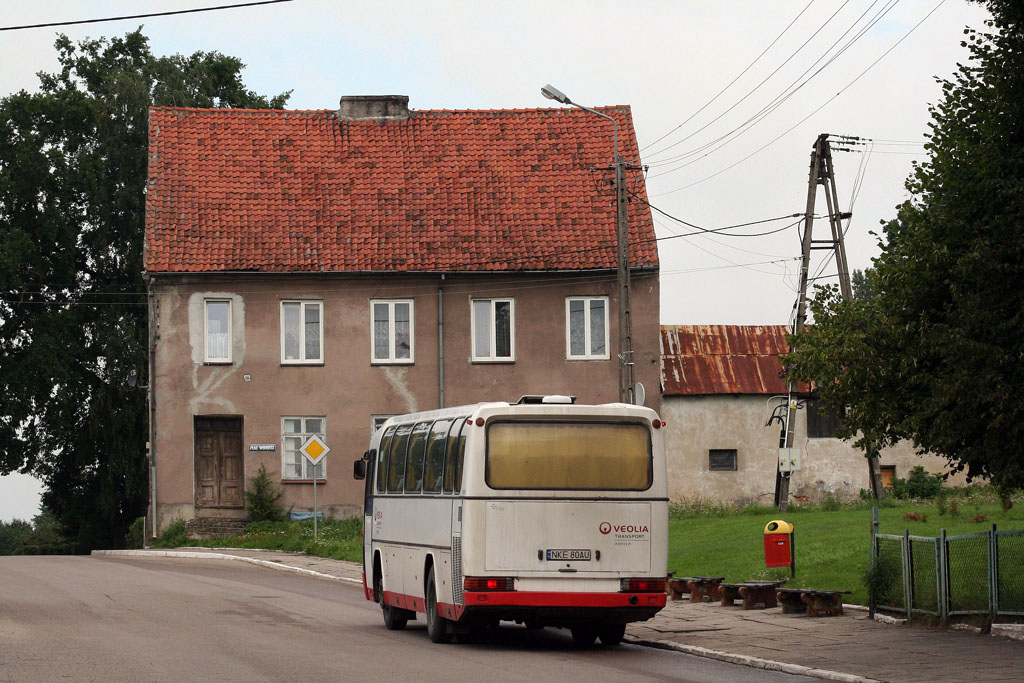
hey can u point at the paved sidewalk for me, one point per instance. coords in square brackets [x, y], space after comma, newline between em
[848, 648]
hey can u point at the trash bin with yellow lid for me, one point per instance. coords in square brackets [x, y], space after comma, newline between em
[778, 545]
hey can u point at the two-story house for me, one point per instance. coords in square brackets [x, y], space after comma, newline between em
[313, 272]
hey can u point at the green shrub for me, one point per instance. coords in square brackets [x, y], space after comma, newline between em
[831, 504]
[883, 580]
[919, 484]
[174, 536]
[261, 502]
[134, 539]
[265, 526]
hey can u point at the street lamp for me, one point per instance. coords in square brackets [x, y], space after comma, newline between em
[626, 366]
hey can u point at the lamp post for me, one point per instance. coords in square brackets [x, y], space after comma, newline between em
[626, 366]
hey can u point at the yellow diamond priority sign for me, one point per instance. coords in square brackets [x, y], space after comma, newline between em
[314, 449]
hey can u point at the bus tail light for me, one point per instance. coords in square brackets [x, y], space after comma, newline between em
[478, 584]
[643, 586]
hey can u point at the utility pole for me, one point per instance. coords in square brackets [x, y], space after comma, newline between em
[821, 173]
[627, 367]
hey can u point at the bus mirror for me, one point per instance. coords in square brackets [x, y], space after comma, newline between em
[359, 469]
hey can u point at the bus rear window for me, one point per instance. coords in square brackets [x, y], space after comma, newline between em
[569, 455]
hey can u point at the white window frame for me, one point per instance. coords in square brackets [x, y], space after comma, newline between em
[206, 331]
[491, 357]
[303, 304]
[588, 353]
[377, 421]
[307, 467]
[392, 359]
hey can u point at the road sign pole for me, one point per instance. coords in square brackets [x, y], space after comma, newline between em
[315, 451]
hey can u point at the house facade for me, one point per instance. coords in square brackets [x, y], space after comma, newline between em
[721, 384]
[314, 272]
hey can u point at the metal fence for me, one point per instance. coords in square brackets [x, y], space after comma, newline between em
[980, 573]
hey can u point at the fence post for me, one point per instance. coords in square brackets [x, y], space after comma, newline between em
[874, 558]
[993, 571]
[908, 573]
[942, 576]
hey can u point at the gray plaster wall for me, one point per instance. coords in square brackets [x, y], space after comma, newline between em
[830, 466]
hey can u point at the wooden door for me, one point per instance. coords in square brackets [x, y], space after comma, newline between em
[219, 462]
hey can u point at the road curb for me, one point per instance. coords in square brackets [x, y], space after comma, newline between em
[753, 662]
[225, 556]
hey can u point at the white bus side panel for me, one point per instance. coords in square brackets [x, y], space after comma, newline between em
[405, 531]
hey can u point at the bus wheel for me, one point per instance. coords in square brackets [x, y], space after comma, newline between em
[583, 636]
[438, 627]
[611, 634]
[395, 618]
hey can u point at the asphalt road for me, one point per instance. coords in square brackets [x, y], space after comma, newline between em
[160, 619]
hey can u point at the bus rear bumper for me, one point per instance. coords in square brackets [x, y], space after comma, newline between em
[555, 608]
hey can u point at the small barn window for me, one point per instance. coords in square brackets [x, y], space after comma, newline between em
[821, 423]
[722, 459]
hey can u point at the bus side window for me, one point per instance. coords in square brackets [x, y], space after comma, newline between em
[460, 459]
[417, 449]
[396, 461]
[434, 465]
[382, 458]
[371, 459]
[451, 453]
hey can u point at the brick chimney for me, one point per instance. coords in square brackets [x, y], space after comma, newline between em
[355, 107]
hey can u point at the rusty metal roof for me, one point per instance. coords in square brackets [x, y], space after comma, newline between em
[722, 359]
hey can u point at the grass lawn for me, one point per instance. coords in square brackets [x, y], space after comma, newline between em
[337, 539]
[831, 542]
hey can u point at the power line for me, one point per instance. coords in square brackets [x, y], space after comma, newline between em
[141, 16]
[738, 265]
[823, 105]
[712, 240]
[730, 84]
[730, 262]
[721, 230]
[786, 94]
[756, 87]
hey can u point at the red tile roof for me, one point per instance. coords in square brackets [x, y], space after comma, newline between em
[301, 191]
[722, 359]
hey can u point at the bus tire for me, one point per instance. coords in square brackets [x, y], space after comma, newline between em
[583, 636]
[438, 628]
[395, 618]
[611, 634]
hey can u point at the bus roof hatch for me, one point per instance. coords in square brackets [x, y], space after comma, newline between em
[529, 399]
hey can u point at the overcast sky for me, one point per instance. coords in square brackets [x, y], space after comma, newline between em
[666, 59]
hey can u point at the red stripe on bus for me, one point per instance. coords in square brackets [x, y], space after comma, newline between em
[526, 599]
[449, 611]
[552, 599]
[403, 601]
[367, 591]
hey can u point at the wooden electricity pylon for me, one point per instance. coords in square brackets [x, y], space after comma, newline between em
[822, 173]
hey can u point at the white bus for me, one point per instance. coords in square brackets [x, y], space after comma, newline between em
[542, 512]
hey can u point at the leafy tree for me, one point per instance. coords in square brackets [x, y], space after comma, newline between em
[73, 312]
[13, 535]
[935, 354]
